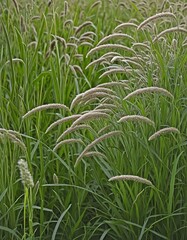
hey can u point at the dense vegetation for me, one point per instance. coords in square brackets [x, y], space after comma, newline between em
[93, 117]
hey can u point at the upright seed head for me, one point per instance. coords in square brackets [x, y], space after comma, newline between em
[25, 174]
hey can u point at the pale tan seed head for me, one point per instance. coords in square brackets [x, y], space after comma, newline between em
[66, 8]
[86, 39]
[169, 30]
[73, 129]
[114, 84]
[89, 117]
[97, 95]
[102, 130]
[154, 17]
[68, 22]
[97, 89]
[89, 33]
[95, 4]
[136, 118]
[16, 5]
[94, 154]
[140, 45]
[107, 46]
[149, 90]
[25, 174]
[115, 35]
[131, 178]
[125, 25]
[61, 40]
[13, 137]
[105, 106]
[164, 131]
[75, 101]
[63, 120]
[94, 62]
[117, 70]
[91, 93]
[67, 141]
[96, 141]
[86, 43]
[83, 25]
[46, 107]
[110, 55]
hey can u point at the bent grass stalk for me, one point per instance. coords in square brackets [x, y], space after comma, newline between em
[90, 116]
[95, 4]
[91, 93]
[115, 35]
[93, 154]
[149, 90]
[131, 178]
[83, 25]
[164, 131]
[105, 106]
[136, 118]
[117, 70]
[113, 84]
[154, 17]
[96, 141]
[99, 60]
[98, 89]
[169, 30]
[67, 141]
[63, 120]
[13, 139]
[98, 95]
[107, 46]
[73, 129]
[125, 25]
[46, 107]
[138, 45]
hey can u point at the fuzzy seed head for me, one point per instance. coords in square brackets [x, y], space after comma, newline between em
[131, 178]
[163, 131]
[25, 174]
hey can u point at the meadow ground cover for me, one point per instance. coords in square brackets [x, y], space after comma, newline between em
[93, 123]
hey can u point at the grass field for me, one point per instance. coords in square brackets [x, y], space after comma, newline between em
[93, 120]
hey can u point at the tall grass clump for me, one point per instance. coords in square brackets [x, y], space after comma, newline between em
[93, 120]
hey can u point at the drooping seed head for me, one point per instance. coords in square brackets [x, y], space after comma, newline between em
[149, 90]
[115, 35]
[90, 116]
[131, 178]
[125, 25]
[67, 141]
[107, 46]
[63, 120]
[164, 131]
[97, 140]
[73, 129]
[154, 17]
[136, 118]
[46, 107]
[94, 154]
[12, 136]
[116, 70]
[169, 30]
[83, 25]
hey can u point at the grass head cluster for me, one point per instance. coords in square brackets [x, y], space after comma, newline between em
[93, 97]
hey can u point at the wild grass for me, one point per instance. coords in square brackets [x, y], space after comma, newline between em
[92, 92]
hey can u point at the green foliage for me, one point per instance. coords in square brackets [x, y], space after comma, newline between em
[50, 54]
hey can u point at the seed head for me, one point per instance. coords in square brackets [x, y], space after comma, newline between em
[25, 174]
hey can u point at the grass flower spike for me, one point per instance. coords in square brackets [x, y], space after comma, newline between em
[25, 174]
